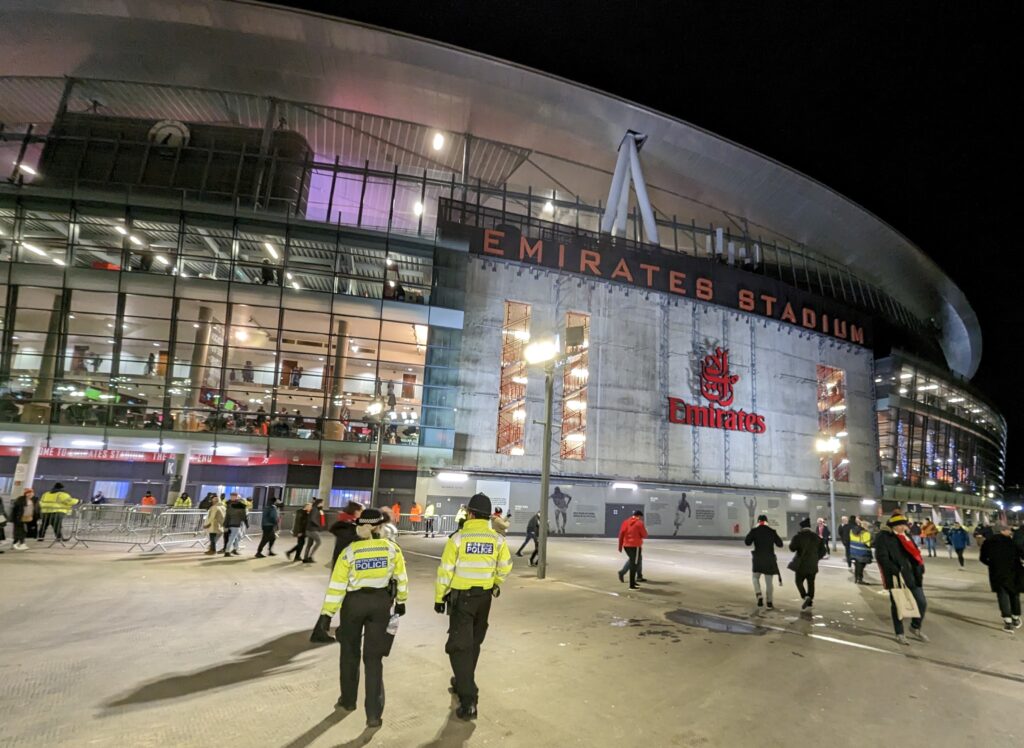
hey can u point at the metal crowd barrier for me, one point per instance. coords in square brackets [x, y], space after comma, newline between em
[444, 524]
[179, 526]
[124, 525]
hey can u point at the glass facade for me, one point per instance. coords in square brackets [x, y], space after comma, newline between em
[515, 334]
[575, 374]
[832, 420]
[935, 433]
[171, 322]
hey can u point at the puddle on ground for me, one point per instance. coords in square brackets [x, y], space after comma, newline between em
[715, 623]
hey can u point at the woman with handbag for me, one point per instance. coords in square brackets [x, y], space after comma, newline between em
[902, 570]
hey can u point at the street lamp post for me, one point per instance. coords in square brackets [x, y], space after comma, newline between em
[544, 353]
[376, 408]
[830, 446]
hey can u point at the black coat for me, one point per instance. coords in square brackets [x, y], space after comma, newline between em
[300, 522]
[894, 559]
[1018, 537]
[19, 506]
[533, 526]
[809, 550]
[236, 514]
[1003, 558]
[344, 534]
[765, 540]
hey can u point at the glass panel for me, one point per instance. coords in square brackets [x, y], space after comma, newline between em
[515, 334]
[575, 374]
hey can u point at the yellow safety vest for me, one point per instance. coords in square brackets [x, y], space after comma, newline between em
[182, 503]
[366, 564]
[475, 556]
[56, 502]
[429, 511]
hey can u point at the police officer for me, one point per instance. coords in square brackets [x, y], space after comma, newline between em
[369, 573]
[475, 562]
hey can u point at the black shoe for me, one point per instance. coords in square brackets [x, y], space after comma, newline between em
[235, 553]
[517, 552]
[374, 722]
[466, 712]
[641, 579]
[622, 575]
[808, 602]
[634, 586]
[346, 707]
[288, 554]
[271, 553]
[770, 606]
[760, 601]
[225, 554]
[260, 555]
[307, 560]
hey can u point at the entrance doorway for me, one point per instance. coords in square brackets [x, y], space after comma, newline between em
[793, 520]
[615, 515]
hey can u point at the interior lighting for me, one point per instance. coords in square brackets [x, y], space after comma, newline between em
[625, 486]
[438, 141]
[58, 261]
[539, 353]
[991, 488]
[296, 286]
[86, 443]
[798, 497]
[374, 408]
[27, 169]
[867, 502]
[1015, 508]
[289, 276]
[878, 380]
[162, 260]
[576, 438]
[842, 434]
[270, 249]
[227, 449]
[447, 477]
[837, 408]
[157, 447]
[34, 249]
[417, 208]
[576, 405]
[519, 380]
[956, 400]
[959, 489]
[519, 414]
[242, 335]
[906, 375]
[389, 262]
[903, 390]
[929, 482]
[12, 440]
[135, 240]
[827, 445]
[121, 230]
[517, 451]
[844, 461]
[549, 207]
[580, 372]
[924, 387]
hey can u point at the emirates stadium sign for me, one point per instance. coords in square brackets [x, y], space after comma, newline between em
[716, 386]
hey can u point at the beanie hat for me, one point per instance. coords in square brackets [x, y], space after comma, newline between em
[762, 518]
[371, 518]
[638, 513]
[806, 522]
[897, 519]
[480, 504]
[58, 486]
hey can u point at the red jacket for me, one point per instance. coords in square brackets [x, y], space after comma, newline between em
[632, 533]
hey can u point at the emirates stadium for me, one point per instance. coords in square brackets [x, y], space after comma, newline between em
[246, 248]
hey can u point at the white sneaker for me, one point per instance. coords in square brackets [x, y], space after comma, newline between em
[20, 547]
[901, 639]
[919, 635]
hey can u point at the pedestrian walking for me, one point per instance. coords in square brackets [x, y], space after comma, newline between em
[631, 539]
[313, 529]
[958, 541]
[846, 526]
[214, 523]
[498, 522]
[860, 552]
[825, 534]
[765, 540]
[54, 505]
[236, 516]
[24, 516]
[900, 565]
[1004, 560]
[368, 576]
[344, 528]
[268, 526]
[532, 533]
[388, 530]
[299, 526]
[429, 515]
[474, 564]
[809, 548]
[929, 533]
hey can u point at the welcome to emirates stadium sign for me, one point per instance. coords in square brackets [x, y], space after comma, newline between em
[716, 386]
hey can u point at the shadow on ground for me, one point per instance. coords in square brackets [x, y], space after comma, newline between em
[252, 664]
[454, 734]
[314, 732]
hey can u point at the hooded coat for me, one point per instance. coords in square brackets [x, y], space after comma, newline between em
[1003, 558]
[809, 550]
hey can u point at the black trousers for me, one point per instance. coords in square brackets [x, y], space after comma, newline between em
[849, 560]
[429, 528]
[297, 548]
[1009, 603]
[529, 536]
[20, 531]
[268, 538]
[959, 555]
[858, 570]
[51, 519]
[364, 620]
[467, 627]
[800, 579]
[635, 564]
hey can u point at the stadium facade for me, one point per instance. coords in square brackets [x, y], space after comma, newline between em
[248, 248]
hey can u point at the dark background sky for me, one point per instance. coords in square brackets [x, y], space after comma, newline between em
[912, 110]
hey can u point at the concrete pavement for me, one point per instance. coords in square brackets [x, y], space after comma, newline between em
[107, 648]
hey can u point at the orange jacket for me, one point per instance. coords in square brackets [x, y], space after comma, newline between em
[396, 510]
[414, 513]
[149, 500]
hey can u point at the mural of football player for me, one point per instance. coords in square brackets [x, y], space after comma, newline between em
[681, 509]
[561, 501]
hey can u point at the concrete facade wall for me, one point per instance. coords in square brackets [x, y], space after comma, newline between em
[644, 348]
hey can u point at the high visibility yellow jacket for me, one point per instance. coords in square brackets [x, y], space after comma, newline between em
[183, 503]
[429, 512]
[475, 556]
[366, 564]
[56, 502]
[860, 545]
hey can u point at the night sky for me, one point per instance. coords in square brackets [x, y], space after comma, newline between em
[911, 110]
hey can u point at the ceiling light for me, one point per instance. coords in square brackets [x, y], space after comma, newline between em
[270, 249]
[519, 380]
[929, 482]
[157, 447]
[34, 249]
[841, 434]
[226, 449]
[625, 486]
[27, 169]
[389, 262]
[12, 440]
[438, 141]
[156, 345]
[135, 240]
[296, 286]
[580, 372]
[162, 260]
[517, 451]
[991, 488]
[903, 390]
[867, 502]
[837, 408]
[519, 414]
[923, 387]
[956, 400]
[549, 207]
[878, 380]
[242, 335]
[57, 261]
[289, 276]
[121, 230]
[906, 375]
[959, 489]
[576, 404]
[798, 497]
[446, 477]
[417, 208]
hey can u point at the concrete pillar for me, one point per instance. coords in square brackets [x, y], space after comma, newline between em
[332, 428]
[197, 369]
[25, 470]
[38, 411]
[323, 490]
[179, 477]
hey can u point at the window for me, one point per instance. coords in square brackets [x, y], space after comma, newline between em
[832, 419]
[574, 386]
[515, 334]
